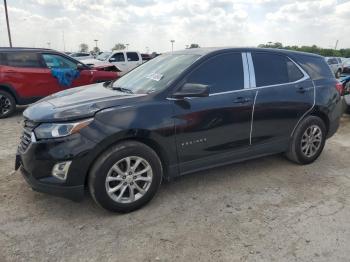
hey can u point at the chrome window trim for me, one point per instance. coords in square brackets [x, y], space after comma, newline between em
[251, 70]
[245, 71]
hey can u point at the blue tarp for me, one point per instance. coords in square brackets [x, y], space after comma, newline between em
[65, 76]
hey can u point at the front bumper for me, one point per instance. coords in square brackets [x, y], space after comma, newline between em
[37, 161]
[75, 193]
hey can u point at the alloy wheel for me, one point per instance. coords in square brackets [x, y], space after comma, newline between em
[129, 179]
[311, 141]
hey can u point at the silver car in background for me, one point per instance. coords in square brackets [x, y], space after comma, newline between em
[336, 64]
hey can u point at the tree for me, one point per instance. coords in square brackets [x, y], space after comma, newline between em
[310, 49]
[83, 47]
[96, 50]
[118, 46]
[194, 46]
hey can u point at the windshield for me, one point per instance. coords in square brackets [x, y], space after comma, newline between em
[103, 56]
[156, 74]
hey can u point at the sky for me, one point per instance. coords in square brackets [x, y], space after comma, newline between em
[149, 25]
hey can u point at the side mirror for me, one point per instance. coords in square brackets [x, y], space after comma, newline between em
[192, 90]
[81, 67]
[112, 59]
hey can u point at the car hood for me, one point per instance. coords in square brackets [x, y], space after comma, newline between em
[94, 62]
[77, 103]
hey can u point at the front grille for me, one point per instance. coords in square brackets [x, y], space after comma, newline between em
[26, 139]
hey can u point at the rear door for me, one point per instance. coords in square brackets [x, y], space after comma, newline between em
[209, 130]
[134, 60]
[26, 73]
[285, 93]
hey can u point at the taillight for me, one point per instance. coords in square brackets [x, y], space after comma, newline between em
[340, 88]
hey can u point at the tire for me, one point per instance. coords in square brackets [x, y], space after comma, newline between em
[121, 177]
[7, 104]
[297, 152]
[338, 74]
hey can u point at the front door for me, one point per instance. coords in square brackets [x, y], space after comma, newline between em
[210, 129]
[118, 59]
[55, 61]
[284, 94]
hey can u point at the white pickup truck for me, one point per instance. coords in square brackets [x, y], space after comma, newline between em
[123, 60]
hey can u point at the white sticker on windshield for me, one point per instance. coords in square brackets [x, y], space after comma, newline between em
[155, 76]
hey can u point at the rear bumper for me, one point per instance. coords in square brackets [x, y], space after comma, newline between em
[75, 193]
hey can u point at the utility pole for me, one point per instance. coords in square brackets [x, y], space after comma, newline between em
[336, 45]
[172, 45]
[96, 42]
[64, 43]
[8, 24]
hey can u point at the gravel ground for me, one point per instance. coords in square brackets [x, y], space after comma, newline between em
[266, 209]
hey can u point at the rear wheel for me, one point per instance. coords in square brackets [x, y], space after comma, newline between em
[125, 177]
[308, 141]
[7, 104]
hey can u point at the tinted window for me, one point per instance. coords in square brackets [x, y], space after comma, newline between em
[294, 73]
[22, 59]
[57, 61]
[222, 73]
[273, 69]
[332, 61]
[119, 57]
[132, 56]
[3, 59]
[316, 67]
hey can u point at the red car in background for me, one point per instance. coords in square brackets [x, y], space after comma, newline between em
[28, 74]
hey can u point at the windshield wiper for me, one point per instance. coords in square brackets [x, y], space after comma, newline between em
[122, 89]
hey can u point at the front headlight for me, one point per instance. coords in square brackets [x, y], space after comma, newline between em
[55, 130]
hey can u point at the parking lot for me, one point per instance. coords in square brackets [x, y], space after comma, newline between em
[267, 209]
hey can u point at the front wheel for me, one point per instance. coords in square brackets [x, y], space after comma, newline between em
[308, 141]
[338, 74]
[125, 177]
[7, 104]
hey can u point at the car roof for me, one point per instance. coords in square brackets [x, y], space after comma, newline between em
[209, 50]
[30, 49]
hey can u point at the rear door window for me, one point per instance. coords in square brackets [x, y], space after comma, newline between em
[132, 56]
[23, 59]
[57, 61]
[274, 69]
[221, 73]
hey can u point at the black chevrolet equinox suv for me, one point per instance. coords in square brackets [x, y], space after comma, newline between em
[178, 113]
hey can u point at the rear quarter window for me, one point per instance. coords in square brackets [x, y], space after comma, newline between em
[316, 67]
[3, 59]
[23, 59]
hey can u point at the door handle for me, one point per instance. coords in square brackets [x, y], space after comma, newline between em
[301, 90]
[241, 100]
